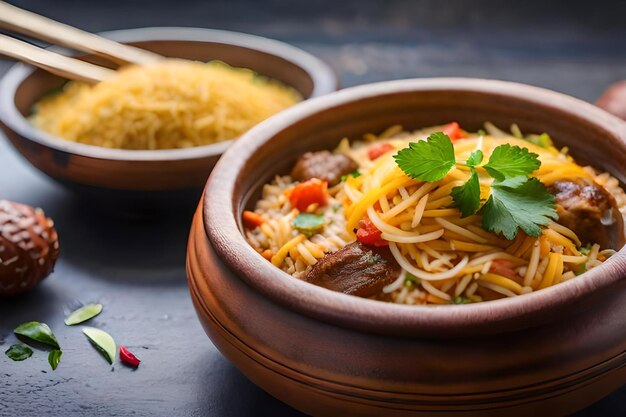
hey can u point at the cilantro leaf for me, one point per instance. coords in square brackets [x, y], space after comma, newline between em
[427, 160]
[508, 161]
[527, 206]
[475, 158]
[467, 196]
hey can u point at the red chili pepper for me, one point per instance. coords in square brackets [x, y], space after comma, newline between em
[369, 235]
[309, 192]
[379, 149]
[504, 268]
[128, 358]
[454, 131]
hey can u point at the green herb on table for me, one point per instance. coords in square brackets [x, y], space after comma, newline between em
[516, 201]
[102, 341]
[19, 352]
[309, 224]
[54, 357]
[83, 314]
[39, 332]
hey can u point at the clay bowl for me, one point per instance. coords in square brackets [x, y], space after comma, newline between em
[149, 177]
[325, 353]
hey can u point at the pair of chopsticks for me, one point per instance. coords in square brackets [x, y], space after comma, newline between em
[39, 27]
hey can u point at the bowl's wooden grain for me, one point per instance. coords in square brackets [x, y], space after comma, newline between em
[149, 176]
[325, 353]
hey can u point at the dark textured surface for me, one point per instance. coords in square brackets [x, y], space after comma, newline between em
[135, 266]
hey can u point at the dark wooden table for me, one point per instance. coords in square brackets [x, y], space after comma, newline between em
[135, 266]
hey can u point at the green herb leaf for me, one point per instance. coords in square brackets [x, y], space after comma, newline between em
[475, 158]
[39, 332]
[427, 160]
[83, 314]
[19, 352]
[308, 224]
[508, 161]
[528, 206]
[585, 249]
[467, 196]
[102, 341]
[54, 357]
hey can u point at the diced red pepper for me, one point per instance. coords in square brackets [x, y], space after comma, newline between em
[251, 219]
[309, 192]
[128, 358]
[504, 268]
[454, 131]
[377, 150]
[369, 235]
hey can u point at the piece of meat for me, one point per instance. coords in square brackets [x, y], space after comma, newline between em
[582, 205]
[355, 269]
[323, 165]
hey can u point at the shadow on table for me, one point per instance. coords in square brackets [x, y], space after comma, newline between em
[130, 248]
[235, 395]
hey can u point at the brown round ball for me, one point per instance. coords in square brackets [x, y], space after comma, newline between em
[29, 247]
[613, 100]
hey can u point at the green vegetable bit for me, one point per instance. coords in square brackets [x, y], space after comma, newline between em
[39, 332]
[102, 341]
[54, 357]
[460, 300]
[544, 140]
[411, 280]
[83, 314]
[309, 224]
[19, 352]
[354, 174]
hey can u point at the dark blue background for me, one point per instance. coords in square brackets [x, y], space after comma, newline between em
[135, 266]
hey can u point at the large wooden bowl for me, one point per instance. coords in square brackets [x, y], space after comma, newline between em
[150, 177]
[551, 352]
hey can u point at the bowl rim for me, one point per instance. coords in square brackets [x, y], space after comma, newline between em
[322, 75]
[220, 214]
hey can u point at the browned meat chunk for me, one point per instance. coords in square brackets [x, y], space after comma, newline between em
[583, 206]
[355, 269]
[323, 165]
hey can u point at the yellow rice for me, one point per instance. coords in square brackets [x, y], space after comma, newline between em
[171, 104]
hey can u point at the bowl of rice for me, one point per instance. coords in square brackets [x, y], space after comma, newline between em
[153, 133]
[331, 350]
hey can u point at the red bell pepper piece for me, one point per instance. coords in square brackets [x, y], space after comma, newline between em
[378, 149]
[454, 131]
[369, 235]
[309, 192]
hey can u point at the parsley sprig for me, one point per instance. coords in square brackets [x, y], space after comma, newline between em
[516, 201]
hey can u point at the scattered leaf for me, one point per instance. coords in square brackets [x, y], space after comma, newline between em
[19, 352]
[54, 357]
[83, 314]
[39, 332]
[475, 158]
[508, 161]
[102, 341]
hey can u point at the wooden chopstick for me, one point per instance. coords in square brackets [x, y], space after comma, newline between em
[62, 65]
[40, 27]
